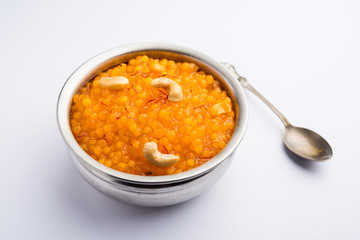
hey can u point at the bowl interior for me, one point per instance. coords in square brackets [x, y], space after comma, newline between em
[113, 57]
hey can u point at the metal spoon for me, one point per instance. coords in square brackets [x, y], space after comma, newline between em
[301, 141]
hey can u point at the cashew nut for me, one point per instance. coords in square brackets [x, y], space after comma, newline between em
[113, 83]
[220, 108]
[155, 157]
[175, 91]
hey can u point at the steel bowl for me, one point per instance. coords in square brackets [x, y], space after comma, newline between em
[151, 190]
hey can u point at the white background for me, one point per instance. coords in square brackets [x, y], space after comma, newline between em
[303, 55]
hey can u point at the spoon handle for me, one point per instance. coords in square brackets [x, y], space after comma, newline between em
[244, 82]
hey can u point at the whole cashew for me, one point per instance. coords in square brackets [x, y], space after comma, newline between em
[175, 91]
[113, 83]
[155, 157]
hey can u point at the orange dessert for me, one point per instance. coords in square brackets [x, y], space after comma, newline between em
[124, 113]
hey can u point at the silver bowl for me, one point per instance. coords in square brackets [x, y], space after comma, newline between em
[151, 190]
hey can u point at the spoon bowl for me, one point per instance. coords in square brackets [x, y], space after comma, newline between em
[306, 143]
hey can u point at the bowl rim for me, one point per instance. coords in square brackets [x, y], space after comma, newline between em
[71, 86]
